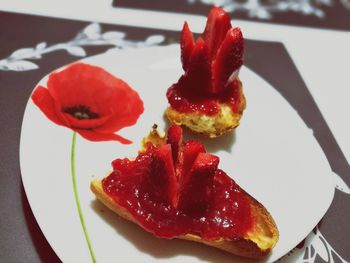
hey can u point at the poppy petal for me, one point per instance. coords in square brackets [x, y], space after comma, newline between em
[83, 84]
[42, 98]
[127, 118]
[92, 135]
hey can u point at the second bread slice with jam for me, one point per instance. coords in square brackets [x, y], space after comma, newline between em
[174, 189]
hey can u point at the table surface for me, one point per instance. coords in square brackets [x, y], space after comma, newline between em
[322, 58]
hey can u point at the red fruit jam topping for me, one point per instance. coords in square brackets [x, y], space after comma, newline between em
[211, 66]
[187, 195]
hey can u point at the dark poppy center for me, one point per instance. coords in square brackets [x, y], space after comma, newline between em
[81, 112]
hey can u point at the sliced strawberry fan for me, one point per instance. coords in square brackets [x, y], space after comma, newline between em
[170, 196]
[215, 56]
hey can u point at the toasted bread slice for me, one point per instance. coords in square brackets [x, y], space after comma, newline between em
[210, 125]
[256, 244]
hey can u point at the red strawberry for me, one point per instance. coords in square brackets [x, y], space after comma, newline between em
[162, 175]
[211, 60]
[218, 24]
[174, 138]
[188, 154]
[199, 70]
[187, 45]
[196, 190]
[228, 60]
[186, 183]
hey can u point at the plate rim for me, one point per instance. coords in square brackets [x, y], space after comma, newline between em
[50, 240]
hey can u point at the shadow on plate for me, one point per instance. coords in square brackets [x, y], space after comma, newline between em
[42, 247]
[223, 143]
[162, 248]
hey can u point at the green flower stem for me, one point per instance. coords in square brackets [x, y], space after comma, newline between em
[77, 202]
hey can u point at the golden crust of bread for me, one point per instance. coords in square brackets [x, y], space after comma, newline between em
[210, 125]
[155, 137]
[257, 243]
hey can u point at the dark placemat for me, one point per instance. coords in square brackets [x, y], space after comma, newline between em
[325, 14]
[30, 50]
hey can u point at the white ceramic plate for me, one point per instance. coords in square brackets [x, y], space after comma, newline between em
[272, 154]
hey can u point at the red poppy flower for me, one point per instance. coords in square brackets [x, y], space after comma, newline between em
[90, 101]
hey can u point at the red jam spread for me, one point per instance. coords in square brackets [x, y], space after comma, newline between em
[211, 65]
[171, 194]
[189, 99]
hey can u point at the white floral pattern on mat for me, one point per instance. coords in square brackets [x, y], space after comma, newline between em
[265, 9]
[314, 246]
[91, 35]
[341, 185]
